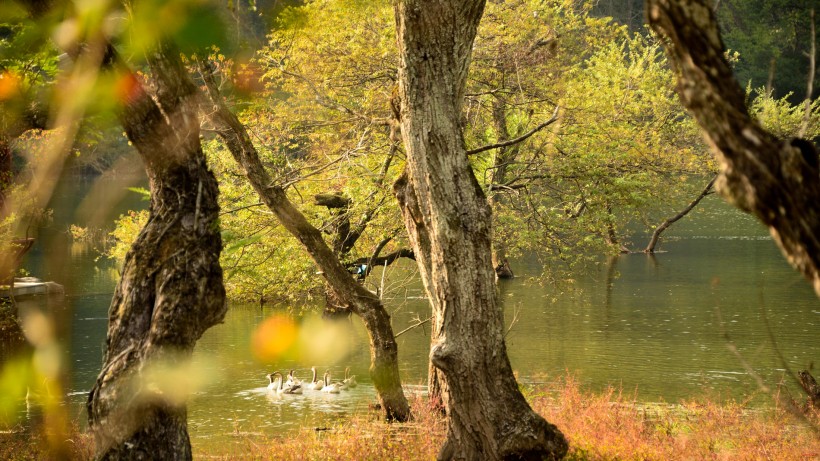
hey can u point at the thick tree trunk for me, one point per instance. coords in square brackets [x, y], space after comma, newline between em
[384, 367]
[438, 391]
[335, 307]
[449, 225]
[171, 287]
[775, 180]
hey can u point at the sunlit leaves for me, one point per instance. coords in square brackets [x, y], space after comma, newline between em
[125, 232]
[622, 147]
[320, 126]
[783, 118]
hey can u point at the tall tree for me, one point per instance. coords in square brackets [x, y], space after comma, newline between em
[171, 288]
[774, 179]
[449, 222]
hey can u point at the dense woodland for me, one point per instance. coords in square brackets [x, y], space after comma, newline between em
[294, 148]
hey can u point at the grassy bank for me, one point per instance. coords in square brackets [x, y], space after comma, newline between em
[599, 426]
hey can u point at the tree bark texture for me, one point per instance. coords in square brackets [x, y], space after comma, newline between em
[343, 241]
[775, 180]
[384, 368]
[449, 224]
[171, 287]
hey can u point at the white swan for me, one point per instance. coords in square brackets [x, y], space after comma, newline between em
[272, 385]
[315, 385]
[350, 381]
[292, 380]
[330, 388]
[278, 386]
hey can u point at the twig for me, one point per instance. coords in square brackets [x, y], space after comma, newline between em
[514, 320]
[242, 208]
[419, 323]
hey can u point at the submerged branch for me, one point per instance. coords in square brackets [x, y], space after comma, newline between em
[653, 242]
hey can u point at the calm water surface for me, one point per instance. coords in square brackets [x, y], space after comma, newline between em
[656, 327]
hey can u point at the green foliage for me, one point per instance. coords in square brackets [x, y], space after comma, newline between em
[193, 25]
[146, 194]
[621, 153]
[15, 377]
[320, 125]
[783, 118]
[620, 157]
[125, 232]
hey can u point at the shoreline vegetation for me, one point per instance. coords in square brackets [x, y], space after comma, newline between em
[606, 425]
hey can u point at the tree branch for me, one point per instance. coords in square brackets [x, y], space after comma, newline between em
[418, 323]
[523, 137]
[650, 248]
[385, 260]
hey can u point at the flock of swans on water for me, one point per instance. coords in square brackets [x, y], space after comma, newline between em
[294, 385]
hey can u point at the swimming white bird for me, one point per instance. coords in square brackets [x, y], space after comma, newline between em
[330, 388]
[278, 386]
[315, 385]
[350, 381]
[292, 379]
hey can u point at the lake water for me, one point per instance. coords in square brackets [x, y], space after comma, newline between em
[657, 327]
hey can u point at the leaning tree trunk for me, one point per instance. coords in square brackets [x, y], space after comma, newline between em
[171, 287]
[775, 180]
[384, 366]
[449, 224]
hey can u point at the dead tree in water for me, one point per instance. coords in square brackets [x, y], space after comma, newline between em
[656, 235]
